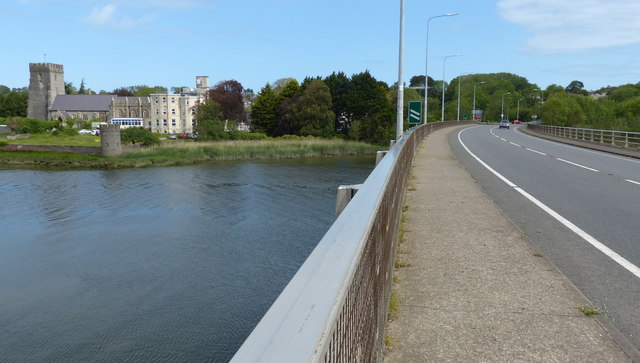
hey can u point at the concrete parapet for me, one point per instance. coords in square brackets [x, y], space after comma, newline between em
[110, 140]
[344, 196]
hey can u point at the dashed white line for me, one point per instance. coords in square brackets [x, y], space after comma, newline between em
[635, 270]
[514, 144]
[536, 151]
[503, 139]
[578, 165]
[632, 181]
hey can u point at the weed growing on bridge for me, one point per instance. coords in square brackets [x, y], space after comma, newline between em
[589, 310]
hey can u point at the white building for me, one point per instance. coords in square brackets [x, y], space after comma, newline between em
[173, 113]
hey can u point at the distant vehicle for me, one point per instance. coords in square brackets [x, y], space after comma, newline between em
[517, 121]
[84, 131]
[504, 124]
[173, 136]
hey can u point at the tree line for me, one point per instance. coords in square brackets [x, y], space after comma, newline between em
[360, 107]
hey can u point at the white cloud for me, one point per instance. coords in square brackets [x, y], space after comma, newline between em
[569, 26]
[106, 17]
[101, 16]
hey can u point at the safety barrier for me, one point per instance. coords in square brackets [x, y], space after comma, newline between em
[335, 307]
[607, 137]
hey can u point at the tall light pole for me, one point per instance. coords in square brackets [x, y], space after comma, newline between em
[444, 63]
[502, 108]
[474, 97]
[518, 113]
[426, 64]
[459, 79]
[400, 105]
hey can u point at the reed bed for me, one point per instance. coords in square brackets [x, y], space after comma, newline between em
[195, 152]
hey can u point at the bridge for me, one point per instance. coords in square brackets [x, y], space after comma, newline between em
[472, 283]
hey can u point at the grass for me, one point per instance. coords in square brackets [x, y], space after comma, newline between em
[59, 140]
[393, 305]
[538, 254]
[190, 153]
[402, 264]
[589, 310]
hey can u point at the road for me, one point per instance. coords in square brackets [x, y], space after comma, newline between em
[580, 209]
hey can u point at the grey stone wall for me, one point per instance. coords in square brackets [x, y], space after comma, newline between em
[46, 81]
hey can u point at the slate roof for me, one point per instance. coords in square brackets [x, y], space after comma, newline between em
[82, 103]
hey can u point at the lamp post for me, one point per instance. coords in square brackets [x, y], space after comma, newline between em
[426, 64]
[459, 79]
[474, 97]
[502, 108]
[400, 105]
[444, 63]
[518, 113]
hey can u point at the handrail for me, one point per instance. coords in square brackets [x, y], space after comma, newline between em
[630, 140]
[335, 307]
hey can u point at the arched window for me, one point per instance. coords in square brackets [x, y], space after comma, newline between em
[120, 113]
[134, 113]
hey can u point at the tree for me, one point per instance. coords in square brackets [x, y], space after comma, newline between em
[81, 91]
[286, 98]
[138, 135]
[574, 87]
[228, 94]
[340, 87]
[312, 114]
[4, 89]
[70, 89]
[122, 92]
[14, 104]
[368, 103]
[264, 111]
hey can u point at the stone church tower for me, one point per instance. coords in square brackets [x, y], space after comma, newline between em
[45, 83]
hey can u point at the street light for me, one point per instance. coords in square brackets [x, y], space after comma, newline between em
[474, 97]
[459, 79]
[400, 105]
[444, 62]
[426, 64]
[518, 113]
[502, 109]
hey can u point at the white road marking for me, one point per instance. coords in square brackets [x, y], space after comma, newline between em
[601, 153]
[635, 270]
[536, 151]
[578, 165]
[632, 181]
[514, 144]
[503, 139]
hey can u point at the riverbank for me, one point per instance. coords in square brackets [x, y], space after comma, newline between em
[192, 153]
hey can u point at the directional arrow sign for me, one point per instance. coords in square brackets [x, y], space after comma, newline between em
[415, 112]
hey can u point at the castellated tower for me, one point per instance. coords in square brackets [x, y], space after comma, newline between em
[46, 81]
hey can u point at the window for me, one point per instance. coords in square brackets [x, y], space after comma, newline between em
[164, 122]
[156, 98]
[173, 111]
[157, 122]
[173, 122]
[164, 111]
[173, 100]
[164, 99]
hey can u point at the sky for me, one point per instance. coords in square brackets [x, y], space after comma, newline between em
[120, 43]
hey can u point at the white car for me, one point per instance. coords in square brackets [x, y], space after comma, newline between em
[85, 131]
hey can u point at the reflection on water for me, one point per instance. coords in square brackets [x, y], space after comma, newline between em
[163, 264]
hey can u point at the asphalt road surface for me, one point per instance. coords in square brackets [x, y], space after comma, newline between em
[580, 209]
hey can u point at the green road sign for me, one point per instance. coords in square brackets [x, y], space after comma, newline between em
[415, 112]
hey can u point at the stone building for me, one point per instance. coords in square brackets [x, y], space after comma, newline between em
[102, 107]
[173, 114]
[46, 82]
[161, 113]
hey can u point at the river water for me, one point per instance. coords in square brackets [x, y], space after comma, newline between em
[157, 264]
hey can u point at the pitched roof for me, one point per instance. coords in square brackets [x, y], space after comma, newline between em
[82, 103]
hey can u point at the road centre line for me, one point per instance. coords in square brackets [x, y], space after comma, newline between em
[632, 181]
[503, 139]
[635, 270]
[514, 144]
[578, 165]
[536, 151]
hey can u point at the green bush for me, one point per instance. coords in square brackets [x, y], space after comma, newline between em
[138, 135]
[4, 143]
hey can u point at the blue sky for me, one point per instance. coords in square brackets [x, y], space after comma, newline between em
[115, 43]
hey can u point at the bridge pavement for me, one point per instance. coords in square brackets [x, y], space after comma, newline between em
[475, 289]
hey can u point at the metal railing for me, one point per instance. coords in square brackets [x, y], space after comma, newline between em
[607, 137]
[335, 307]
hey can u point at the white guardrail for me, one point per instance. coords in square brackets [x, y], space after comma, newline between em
[335, 307]
[624, 139]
